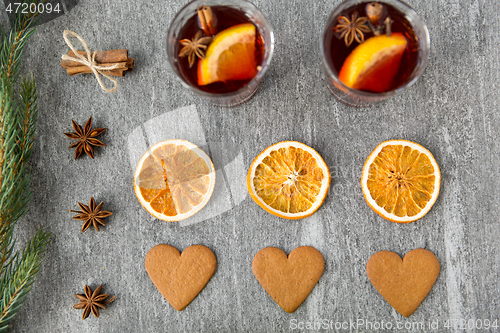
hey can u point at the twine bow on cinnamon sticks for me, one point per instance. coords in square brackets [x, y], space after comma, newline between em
[107, 63]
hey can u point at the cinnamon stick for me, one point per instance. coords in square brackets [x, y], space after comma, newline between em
[207, 20]
[130, 64]
[72, 71]
[111, 56]
[122, 66]
[106, 56]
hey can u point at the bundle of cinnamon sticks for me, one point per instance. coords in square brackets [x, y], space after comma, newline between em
[105, 59]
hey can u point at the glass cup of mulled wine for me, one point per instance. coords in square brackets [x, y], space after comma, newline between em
[220, 49]
[373, 50]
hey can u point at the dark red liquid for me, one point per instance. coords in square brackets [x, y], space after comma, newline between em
[225, 17]
[337, 51]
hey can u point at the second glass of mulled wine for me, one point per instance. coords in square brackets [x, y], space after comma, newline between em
[373, 50]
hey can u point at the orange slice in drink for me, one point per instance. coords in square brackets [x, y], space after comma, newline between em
[230, 56]
[289, 180]
[401, 180]
[372, 65]
[174, 179]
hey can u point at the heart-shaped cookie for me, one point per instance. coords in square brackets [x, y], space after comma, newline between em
[180, 277]
[403, 283]
[288, 280]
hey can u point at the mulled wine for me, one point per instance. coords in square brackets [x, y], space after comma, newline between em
[220, 49]
[374, 48]
[232, 56]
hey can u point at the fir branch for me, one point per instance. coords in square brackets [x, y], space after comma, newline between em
[12, 46]
[27, 116]
[7, 245]
[17, 281]
[17, 125]
[17, 135]
[9, 152]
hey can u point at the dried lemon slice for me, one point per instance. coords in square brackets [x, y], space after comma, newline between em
[174, 180]
[401, 180]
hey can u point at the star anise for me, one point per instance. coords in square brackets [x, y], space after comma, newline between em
[92, 301]
[194, 48]
[91, 214]
[86, 138]
[353, 29]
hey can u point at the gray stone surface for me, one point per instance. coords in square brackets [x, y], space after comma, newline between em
[452, 110]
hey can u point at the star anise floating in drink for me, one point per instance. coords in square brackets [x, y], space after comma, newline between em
[195, 47]
[92, 301]
[86, 138]
[353, 29]
[91, 214]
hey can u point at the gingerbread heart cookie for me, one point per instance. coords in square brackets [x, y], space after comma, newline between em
[403, 283]
[288, 280]
[180, 277]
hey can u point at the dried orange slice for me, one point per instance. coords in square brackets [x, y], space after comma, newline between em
[373, 64]
[289, 180]
[230, 56]
[401, 180]
[174, 179]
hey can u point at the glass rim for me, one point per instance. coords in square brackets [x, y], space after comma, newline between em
[269, 49]
[417, 71]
